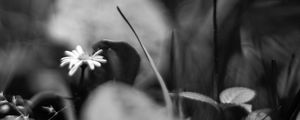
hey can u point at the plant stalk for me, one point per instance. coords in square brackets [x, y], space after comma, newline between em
[159, 77]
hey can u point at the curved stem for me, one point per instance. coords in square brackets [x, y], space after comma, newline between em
[159, 77]
[80, 91]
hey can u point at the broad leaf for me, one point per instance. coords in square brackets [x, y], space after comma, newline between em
[262, 114]
[199, 97]
[122, 64]
[237, 95]
[248, 107]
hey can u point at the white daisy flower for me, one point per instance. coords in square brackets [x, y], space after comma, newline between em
[78, 57]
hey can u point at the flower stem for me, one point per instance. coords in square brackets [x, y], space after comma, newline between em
[80, 91]
[80, 84]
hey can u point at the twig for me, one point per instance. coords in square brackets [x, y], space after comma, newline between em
[44, 95]
[216, 83]
[56, 113]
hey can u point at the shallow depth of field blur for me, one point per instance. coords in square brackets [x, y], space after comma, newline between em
[219, 60]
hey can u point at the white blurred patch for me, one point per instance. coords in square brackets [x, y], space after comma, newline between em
[115, 101]
[85, 22]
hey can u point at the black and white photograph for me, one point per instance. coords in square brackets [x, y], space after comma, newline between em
[149, 60]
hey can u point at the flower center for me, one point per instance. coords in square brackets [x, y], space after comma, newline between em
[84, 57]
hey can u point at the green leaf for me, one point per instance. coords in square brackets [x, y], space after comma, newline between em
[262, 114]
[199, 97]
[123, 62]
[237, 95]
[248, 107]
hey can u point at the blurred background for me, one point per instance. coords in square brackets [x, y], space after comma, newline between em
[254, 44]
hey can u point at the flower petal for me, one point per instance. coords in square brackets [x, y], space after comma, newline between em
[100, 60]
[79, 49]
[71, 65]
[98, 57]
[72, 71]
[97, 52]
[74, 68]
[76, 53]
[69, 53]
[70, 61]
[91, 65]
[63, 63]
[96, 63]
[67, 60]
[69, 57]
[73, 62]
